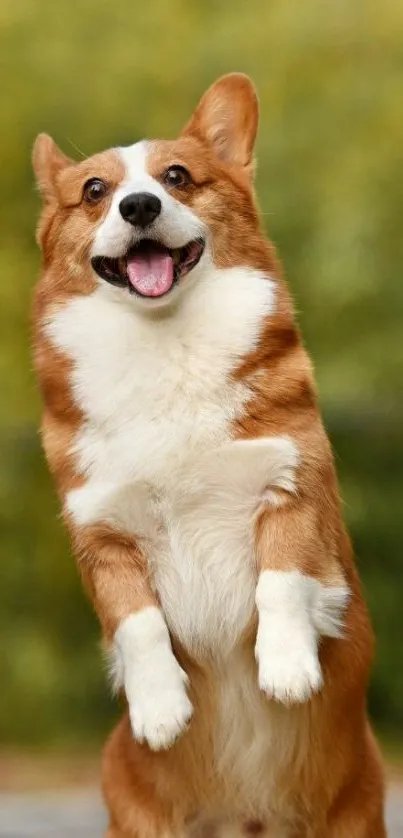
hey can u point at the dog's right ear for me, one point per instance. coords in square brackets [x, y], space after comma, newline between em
[48, 161]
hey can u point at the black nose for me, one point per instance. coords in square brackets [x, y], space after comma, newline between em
[140, 208]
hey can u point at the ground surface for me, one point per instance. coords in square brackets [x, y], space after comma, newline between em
[63, 815]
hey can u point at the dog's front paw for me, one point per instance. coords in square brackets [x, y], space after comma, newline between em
[287, 637]
[155, 684]
[159, 709]
[288, 664]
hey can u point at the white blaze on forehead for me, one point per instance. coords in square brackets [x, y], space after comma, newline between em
[134, 158]
[175, 226]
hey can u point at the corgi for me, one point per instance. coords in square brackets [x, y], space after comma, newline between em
[197, 484]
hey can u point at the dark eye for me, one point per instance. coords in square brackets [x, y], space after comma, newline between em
[94, 190]
[177, 176]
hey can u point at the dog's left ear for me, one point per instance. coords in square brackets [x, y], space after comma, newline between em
[227, 119]
[47, 162]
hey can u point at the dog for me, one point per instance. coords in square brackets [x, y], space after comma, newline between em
[197, 484]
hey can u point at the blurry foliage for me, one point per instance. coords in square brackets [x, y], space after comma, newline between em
[330, 157]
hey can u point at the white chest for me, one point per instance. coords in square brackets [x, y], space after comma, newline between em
[159, 397]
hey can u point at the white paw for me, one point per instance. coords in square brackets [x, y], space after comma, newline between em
[154, 683]
[294, 610]
[288, 664]
[159, 708]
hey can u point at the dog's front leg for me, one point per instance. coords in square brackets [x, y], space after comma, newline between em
[301, 594]
[116, 574]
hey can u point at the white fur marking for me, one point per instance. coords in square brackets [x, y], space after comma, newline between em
[125, 506]
[154, 682]
[293, 611]
[255, 740]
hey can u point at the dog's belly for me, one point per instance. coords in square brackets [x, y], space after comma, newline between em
[206, 593]
[255, 744]
[204, 559]
[202, 562]
[255, 740]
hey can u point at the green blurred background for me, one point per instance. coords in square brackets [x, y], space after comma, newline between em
[330, 152]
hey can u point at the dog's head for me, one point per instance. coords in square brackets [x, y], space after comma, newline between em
[148, 219]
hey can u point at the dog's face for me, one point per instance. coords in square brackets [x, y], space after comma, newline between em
[149, 218]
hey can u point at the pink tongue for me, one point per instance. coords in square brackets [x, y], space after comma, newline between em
[151, 274]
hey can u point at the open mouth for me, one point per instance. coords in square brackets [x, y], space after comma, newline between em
[149, 269]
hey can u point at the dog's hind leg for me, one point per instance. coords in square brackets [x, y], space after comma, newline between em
[139, 789]
[359, 811]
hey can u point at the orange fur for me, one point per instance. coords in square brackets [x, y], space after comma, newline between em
[330, 776]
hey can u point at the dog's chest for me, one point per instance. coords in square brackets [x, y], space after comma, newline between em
[158, 396]
[151, 408]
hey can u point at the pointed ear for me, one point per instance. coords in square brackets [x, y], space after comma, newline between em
[48, 161]
[227, 118]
